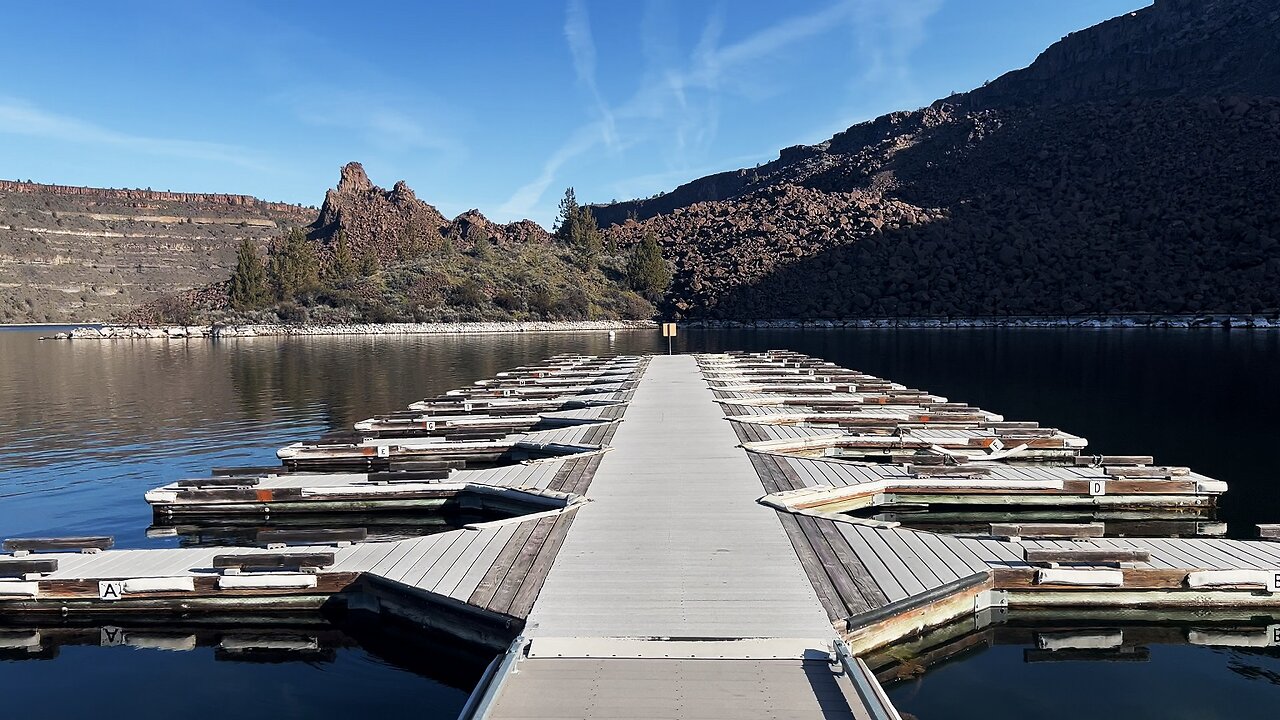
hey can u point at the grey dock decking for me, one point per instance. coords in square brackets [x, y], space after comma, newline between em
[639, 563]
[674, 596]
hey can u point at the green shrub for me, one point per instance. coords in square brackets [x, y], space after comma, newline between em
[291, 312]
[470, 294]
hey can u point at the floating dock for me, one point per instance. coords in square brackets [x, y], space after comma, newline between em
[699, 536]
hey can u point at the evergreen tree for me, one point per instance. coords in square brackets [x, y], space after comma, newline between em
[484, 250]
[413, 242]
[344, 263]
[647, 272]
[248, 288]
[585, 240]
[294, 267]
[567, 220]
[370, 265]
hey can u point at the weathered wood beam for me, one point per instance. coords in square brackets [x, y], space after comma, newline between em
[18, 568]
[1090, 556]
[1095, 460]
[95, 542]
[273, 561]
[223, 481]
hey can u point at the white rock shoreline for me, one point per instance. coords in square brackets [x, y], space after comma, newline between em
[123, 332]
[180, 332]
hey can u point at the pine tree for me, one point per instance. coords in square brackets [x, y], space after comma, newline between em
[344, 263]
[294, 267]
[307, 261]
[647, 272]
[585, 240]
[370, 265]
[484, 250]
[568, 217]
[248, 288]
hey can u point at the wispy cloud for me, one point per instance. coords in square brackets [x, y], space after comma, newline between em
[887, 35]
[19, 117]
[379, 123]
[883, 41]
[680, 105]
[582, 46]
[531, 193]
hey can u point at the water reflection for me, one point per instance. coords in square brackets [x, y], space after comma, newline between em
[87, 427]
[345, 665]
[1102, 663]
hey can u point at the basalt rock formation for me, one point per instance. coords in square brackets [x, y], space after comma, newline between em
[386, 222]
[81, 254]
[1133, 167]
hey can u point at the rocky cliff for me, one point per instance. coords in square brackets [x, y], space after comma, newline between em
[81, 254]
[1133, 167]
[393, 223]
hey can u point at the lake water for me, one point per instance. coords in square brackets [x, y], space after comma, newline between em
[1131, 667]
[308, 667]
[87, 427]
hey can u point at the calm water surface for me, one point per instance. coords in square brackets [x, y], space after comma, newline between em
[300, 668]
[1082, 670]
[87, 427]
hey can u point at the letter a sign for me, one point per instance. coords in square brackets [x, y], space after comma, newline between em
[110, 589]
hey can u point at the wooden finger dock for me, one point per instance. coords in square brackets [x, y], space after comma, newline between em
[686, 536]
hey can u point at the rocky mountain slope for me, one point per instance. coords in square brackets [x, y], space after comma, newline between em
[1133, 167]
[82, 254]
[411, 264]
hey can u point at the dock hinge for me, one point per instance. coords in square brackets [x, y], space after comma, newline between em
[988, 599]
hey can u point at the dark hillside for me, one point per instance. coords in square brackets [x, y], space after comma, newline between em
[1133, 167]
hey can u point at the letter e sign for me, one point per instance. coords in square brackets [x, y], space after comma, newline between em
[110, 589]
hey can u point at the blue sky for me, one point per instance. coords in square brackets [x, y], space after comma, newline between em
[495, 105]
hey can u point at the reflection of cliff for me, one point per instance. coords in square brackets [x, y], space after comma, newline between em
[349, 379]
[136, 400]
[78, 401]
[87, 428]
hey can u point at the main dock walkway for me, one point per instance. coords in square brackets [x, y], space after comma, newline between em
[676, 594]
